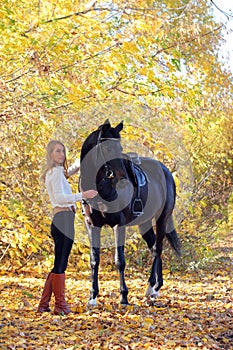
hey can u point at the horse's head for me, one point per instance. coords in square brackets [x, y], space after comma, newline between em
[101, 156]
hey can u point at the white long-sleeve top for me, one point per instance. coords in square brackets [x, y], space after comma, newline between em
[59, 189]
[74, 168]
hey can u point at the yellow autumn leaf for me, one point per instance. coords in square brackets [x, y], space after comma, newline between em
[30, 228]
[129, 46]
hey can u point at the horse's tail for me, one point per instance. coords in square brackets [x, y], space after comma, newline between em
[174, 241]
[171, 233]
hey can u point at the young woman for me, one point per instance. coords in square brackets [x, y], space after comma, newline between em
[62, 228]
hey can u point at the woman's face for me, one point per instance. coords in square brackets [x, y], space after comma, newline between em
[58, 154]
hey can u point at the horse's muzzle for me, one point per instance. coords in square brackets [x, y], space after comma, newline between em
[122, 183]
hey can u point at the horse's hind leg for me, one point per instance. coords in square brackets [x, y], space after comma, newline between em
[94, 237]
[164, 227]
[149, 236]
[156, 279]
[120, 261]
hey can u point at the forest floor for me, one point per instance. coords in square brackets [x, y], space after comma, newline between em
[193, 311]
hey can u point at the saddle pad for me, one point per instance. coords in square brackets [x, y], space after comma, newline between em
[140, 175]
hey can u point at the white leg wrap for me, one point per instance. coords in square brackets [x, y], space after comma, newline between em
[92, 302]
[151, 292]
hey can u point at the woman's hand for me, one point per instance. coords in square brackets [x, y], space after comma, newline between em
[89, 194]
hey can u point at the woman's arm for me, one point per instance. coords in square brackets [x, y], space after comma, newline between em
[61, 190]
[74, 168]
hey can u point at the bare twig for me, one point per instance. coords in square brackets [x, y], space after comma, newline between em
[18, 77]
[4, 253]
[25, 263]
[61, 106]
[224, 12]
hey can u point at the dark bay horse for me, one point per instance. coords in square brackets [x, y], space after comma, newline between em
[132, 191]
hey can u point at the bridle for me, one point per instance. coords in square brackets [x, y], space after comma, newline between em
[109, 173]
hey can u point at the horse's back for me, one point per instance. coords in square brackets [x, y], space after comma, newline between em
[153, 169]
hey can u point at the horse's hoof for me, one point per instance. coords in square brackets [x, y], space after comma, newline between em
[124, 304]
[151, 292]
[92, 302]
[148, 291]
[155, 295]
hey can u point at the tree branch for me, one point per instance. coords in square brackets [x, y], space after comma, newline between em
[89, 58]
[79, 13]
[188, 41]
[224, 12]
[18, 77]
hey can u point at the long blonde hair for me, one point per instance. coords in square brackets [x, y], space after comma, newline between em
[49, 159]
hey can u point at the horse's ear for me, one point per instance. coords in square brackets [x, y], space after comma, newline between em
[106, 125]
[119, 127]
[107, 121]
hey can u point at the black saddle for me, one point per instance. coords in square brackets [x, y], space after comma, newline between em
[139, 180]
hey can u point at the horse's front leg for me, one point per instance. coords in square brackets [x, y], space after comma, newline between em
[94, 237]
[120, 261]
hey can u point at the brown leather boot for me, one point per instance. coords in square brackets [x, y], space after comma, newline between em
[58, 288]
[46, 295]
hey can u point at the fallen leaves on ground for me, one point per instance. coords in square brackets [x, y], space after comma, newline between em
[194, 311]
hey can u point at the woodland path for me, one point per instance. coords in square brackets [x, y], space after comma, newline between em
[194, 311]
